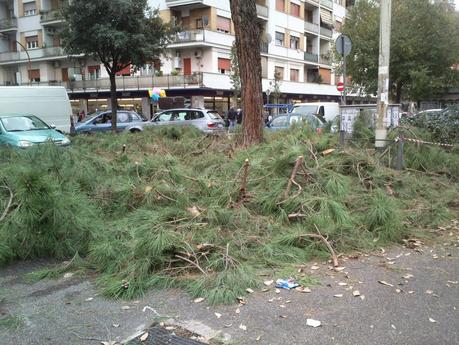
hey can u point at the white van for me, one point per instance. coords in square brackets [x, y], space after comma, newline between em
[49, 103]
[327, 110]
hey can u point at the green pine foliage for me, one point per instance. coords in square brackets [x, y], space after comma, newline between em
[167, 210]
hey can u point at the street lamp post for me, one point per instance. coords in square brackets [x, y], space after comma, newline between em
[27, 53]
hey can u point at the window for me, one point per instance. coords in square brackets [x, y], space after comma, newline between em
[224, 65]
[195, 115]
[294, 42]
[279, 39]
[338, 26]
[199, 23]
[122, 117]
[280, 5]
[223, 24]
[34, 75]
[279, 73]
[135, 117]
[294, 74]
[186, 23]
[94, 72]
[294, 9]
[279, 121]
[167, 116]
[32, 42]
[179, 115]
[30, 9]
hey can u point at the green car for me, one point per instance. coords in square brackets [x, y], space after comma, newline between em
[24, 131]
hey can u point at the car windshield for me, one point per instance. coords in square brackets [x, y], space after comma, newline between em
[214, 115]
[23, 123]
[305, 109]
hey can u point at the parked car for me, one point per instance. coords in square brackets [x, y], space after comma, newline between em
[286, 121]
[329, 111]
[49, 103]
[102, 121]
[208, 121]
[24, 131]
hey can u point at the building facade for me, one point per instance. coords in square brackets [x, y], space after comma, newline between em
[296, 45]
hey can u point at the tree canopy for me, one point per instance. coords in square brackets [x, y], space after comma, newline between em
[424, 46]
[118, 33]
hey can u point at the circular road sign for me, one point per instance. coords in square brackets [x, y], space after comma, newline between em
[343, 45]
[340, 87]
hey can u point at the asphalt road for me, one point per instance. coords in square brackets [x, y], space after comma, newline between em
[421, 307]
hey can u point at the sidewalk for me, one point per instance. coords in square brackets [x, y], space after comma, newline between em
[402, 296]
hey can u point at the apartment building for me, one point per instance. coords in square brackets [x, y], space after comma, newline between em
[295, 50]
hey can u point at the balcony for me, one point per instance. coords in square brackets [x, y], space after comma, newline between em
[133, 83]
[202, 37]
[324, 60]
[191, 3]
[311, 27]
[326, 32]
[51, 17]
[311, 57]
[327, 3]
[262, 11]
[40, 53]
[10, 24]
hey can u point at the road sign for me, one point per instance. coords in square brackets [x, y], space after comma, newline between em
[340, 87]
[343, 45]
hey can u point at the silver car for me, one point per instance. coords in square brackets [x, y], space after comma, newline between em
[208, 121]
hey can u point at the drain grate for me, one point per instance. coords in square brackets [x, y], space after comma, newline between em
[160, 336]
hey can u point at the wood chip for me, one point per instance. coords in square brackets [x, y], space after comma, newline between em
[218, 315]
[315, 268]
[432, 320]
[243, 327]
[429, 292]
[199, 300]
[385, 283]
[342, 284]
[338, 295]
[356, 293]
[144, 337]
[125, 307]
[268, 282]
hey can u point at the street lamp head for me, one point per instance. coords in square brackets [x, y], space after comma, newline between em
[268, 92]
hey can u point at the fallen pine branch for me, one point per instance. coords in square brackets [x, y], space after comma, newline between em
[8, 205]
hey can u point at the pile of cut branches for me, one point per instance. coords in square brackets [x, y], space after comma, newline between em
[169, 207]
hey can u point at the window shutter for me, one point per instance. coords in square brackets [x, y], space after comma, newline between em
[223, 24]
[224, 64]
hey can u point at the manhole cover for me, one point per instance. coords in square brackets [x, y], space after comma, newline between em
[160, 336]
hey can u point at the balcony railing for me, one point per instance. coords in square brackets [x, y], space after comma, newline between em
[326, 32]
[184, 2]
[33, 53]
[262, 11]
[138, 82]
[324, 60]
[311, 57]
[8, 24]
[311, 27]
[50, 16]
[190, 36]
[327, 3]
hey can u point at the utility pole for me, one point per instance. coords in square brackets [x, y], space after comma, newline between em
[383, 72]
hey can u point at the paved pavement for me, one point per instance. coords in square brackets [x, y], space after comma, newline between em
[417, 303]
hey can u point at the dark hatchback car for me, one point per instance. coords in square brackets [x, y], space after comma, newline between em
[102, 122]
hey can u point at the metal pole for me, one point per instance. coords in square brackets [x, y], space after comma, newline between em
[383, 72]
[341, 130]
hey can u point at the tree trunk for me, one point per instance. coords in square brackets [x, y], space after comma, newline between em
[247, 30]
[398, 92]
[113, 101]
